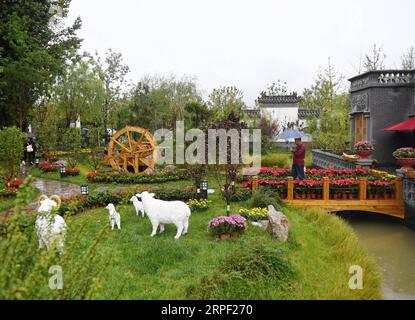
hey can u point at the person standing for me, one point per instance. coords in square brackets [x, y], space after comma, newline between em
[298, 160]
[30, 152]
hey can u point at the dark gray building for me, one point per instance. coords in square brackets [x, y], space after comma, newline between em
[380, 99]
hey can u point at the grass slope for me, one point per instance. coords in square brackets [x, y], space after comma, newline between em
[314, 264]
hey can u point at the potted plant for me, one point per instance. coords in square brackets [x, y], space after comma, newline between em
[364, 149]
[224, 227]
[405, 157]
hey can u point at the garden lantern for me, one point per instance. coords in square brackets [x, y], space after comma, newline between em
[62, 171]
[203, 189]
[84, 190]
[37, 162]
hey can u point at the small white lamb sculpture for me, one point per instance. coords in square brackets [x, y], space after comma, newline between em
[138, 205]
[166, 212]
[50, 227]
[115, 218]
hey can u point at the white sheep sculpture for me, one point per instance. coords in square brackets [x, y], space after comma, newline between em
[50, 227]
[138, 205]
[162, 212]
[114, 216]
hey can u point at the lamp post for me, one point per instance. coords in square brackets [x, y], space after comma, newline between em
[62, 171]
[84, 190]
[203, 189]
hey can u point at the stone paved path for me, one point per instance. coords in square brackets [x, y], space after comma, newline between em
[49, 188]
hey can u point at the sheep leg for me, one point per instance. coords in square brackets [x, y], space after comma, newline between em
[60, 247]
[40, 244]
[161, 228]
[112, 224]
[186, 226]
[179, 231]
[155, 227]
[142, 212]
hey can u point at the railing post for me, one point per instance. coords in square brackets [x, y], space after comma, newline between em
[326, 188]
[398, 189]
[290, 188]
[362, 188]
[255, 186]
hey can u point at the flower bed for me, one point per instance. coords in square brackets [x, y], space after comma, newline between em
[128, 178]
[344, 184]
[254, 214]
[9, 188]
[79, 203]
[224, 227]
[48, 167]
[73, 172]
[198, 204]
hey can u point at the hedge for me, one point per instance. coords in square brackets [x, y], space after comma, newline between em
[78, 203]
[127, 178]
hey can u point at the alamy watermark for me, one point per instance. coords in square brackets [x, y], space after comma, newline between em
[56, 280]
[356, 280]
[213, 146]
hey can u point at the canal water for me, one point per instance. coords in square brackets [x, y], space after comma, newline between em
[393, 246]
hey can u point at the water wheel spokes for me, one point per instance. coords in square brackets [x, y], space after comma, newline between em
[132, 149]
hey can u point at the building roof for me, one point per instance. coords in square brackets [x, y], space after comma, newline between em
[305, 113]
[292, 98]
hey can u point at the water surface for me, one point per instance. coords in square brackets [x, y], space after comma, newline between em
[393, 246]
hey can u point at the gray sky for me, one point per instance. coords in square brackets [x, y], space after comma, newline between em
[245, 43]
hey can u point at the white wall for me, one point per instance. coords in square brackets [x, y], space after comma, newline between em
[283, 115]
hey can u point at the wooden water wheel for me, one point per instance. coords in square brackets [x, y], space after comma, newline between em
[132, 149]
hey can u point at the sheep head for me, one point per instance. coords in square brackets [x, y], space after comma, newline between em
[145, 194]
[110, 207]
[133, 198]
[48, 204]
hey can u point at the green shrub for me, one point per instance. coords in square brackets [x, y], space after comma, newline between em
[11, 151]
[124, 178]
[264, 198]
[25, 271]
[243, 273]
[275, 159]
[241, 195]
[78, 203]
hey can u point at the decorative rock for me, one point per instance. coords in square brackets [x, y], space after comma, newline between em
[153, 171]
[279, 226]
[263, 224]
[170, 168]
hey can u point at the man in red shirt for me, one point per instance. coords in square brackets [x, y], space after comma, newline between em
[298, 160]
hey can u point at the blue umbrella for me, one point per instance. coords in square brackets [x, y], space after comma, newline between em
[291, 134]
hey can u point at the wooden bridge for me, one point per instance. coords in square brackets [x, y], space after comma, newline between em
[391, 207]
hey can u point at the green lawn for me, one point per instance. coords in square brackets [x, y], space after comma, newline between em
[314, 264]
[6, 204]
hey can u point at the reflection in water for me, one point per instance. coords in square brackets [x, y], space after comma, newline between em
[393, 246]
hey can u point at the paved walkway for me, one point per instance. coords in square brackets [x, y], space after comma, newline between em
[49, 188]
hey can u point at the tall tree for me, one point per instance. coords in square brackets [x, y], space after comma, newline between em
[34, 48]
[332, 128]
[408, 59]
[80, 91]
[158, 102]
[113, 72]
[375, 60]
[225, 100]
